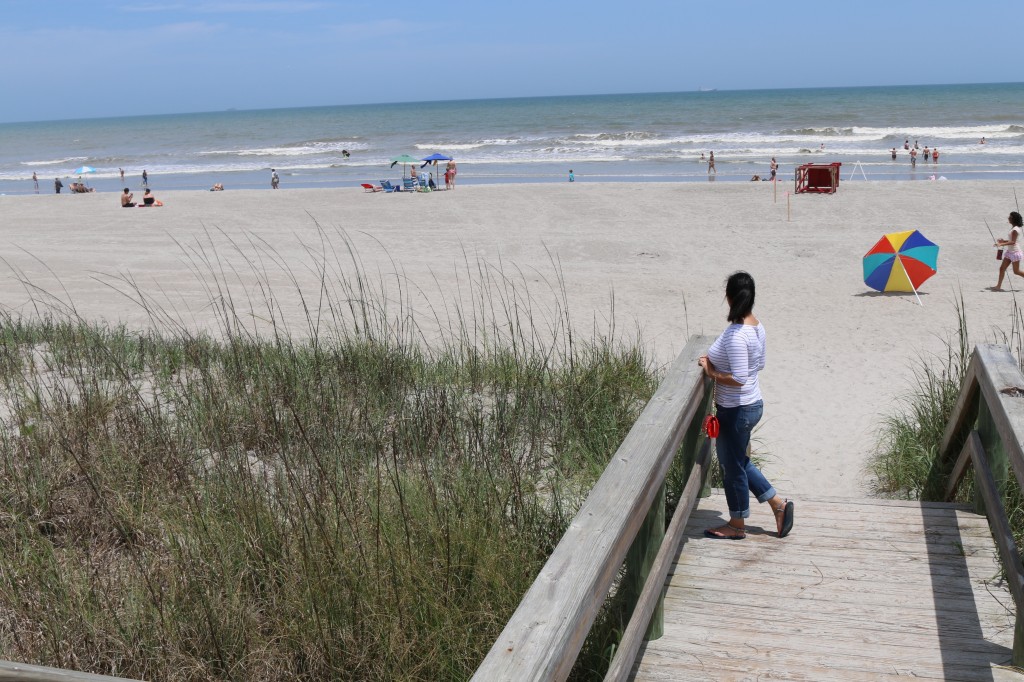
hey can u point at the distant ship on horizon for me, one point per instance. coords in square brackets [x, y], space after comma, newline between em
[703, 89]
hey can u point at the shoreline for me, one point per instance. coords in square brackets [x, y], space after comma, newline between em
[585, 173]
[840, 355]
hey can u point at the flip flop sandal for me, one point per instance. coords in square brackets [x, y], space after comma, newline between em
[716, 534]
[787, 518]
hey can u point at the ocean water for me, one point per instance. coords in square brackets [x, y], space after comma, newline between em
[632, 138]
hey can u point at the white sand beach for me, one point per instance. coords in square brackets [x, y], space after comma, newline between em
[839, 353]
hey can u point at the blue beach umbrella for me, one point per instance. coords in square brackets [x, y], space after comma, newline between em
[434, 158]
[84, 170]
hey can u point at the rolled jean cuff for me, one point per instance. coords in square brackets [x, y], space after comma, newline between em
[765, 496]
[739, 514]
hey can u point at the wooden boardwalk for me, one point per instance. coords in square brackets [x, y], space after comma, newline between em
[863, 589]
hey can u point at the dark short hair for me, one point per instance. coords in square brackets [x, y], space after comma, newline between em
[739, 290]
[126, 190]
[1015, 219]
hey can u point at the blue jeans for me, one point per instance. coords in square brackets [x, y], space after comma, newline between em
[740, 476]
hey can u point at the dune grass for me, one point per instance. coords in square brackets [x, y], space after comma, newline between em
[909, 440]
[361, 495]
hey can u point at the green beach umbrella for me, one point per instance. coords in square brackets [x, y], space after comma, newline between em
[405, 160]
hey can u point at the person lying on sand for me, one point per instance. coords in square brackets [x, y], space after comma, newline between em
[217, 188]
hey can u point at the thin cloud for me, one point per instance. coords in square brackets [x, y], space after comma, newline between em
[387, 28]
[229, 7]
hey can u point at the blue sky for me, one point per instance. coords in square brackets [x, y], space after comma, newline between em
[104, 58]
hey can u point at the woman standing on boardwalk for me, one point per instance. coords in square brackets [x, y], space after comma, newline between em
[733, 362]
[1012, 252]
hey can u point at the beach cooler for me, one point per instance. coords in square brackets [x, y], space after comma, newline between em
[822, 178]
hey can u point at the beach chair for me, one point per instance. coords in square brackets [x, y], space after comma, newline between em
[408, 185]
[387, 186]
[423, 186]
[370, 188]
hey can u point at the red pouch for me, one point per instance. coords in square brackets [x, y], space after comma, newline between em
[711, 426]
[711, 421]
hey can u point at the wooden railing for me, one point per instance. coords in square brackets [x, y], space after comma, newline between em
[985, 431]
[622, 520]
[21, 672]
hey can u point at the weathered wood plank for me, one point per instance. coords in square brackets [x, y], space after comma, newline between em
[959, 468]
[964, 411]
[843, 568]
[858, 591]
[999, 379]
[810, 584]
[632, 637]
[793, 637]
[865, 525]
[22, 672]
[991, 600]
[793, 651]
[872, 502]
[997, 517]
[909, 546]
[657, 666]
[544, 635]
[880, 619]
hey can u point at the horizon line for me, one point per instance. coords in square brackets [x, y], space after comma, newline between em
[698, 90]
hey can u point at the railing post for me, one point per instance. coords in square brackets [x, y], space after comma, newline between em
[995, 453]
[1018, 641]
[693, 439]
[640, 559]
[999, 465]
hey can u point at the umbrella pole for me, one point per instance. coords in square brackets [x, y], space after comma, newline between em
[916, 296]
[912, 287]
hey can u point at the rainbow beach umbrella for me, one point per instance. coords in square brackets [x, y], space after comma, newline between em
[900, 261]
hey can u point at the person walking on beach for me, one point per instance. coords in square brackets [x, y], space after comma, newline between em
[913, 157]
[452, 172]
[1011, 250]
[145, 178]
[927, 154]
[121, 170]
[935, 155]
[275, 181]
[774, 167]
[35, 181]
[572, 178]
[57, 184]
[711, 164]
[733, 362]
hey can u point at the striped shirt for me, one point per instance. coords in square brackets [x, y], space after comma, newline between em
[740, 352]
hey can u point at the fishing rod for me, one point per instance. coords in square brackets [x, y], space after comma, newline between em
[990, 234]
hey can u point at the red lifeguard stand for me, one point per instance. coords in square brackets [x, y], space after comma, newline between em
[822, 178]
